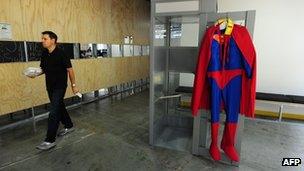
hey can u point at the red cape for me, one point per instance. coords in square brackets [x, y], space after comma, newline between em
[201, 89]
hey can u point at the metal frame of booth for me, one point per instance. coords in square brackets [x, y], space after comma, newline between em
[170, 126]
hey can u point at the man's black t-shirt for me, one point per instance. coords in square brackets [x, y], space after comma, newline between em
[55, 65]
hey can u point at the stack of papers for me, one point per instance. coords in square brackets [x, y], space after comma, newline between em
[32, 71]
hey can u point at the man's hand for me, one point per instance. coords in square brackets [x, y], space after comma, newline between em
[75, 90]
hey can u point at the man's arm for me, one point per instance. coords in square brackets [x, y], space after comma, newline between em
[72, 80]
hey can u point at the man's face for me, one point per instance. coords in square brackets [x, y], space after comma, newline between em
[47, 41]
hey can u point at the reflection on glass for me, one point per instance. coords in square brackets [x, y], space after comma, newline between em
[184, 31]
[76, 50]
[160, 35]
[145, 50]
[86, 50]
[176, 30]
[128, 50]
[116, 51]
[102, 50]
[137, 50]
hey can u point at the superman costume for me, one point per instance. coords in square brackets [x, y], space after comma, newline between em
[225, 78]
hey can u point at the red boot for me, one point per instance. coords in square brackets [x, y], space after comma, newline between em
[228, 144]
[223, 142]
[214, 150]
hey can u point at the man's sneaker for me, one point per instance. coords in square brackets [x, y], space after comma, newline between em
[65, 131]
[46, 145]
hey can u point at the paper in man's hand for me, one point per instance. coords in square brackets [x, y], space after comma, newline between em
[32, 71]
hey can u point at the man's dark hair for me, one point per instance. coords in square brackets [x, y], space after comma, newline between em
[51, 34]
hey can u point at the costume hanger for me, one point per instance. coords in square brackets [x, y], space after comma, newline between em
[225, 24]
[224, 21]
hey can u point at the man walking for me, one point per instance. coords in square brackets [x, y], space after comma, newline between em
[56, 66]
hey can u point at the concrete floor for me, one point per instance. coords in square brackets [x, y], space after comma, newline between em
[114, 136]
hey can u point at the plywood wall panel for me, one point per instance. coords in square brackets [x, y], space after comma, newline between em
[19, 92]
[56, 15]
[89, 21]
[39, 95]
[93, 74]
[103, 22]
[117, 21]
[10, 12]
[15, 92]
[142, 22]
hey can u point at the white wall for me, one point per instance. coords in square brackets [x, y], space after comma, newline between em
[279, 41]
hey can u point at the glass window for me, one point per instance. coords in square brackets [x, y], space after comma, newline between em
[128, 50]
[102, 50]
[86, 50]
[116, 51]
[184, 31]
[145, 50]
[137, 50]
[160, 35]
